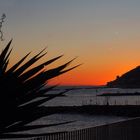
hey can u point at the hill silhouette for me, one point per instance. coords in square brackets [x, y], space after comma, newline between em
[130, 79]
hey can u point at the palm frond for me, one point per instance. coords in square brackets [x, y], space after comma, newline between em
[23, 91]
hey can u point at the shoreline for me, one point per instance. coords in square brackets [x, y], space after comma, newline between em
[117, 110]
[120, 94]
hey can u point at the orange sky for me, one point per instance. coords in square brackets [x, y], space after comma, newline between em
[105, 35]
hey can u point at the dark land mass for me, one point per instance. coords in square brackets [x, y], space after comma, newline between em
[120, 94]
[130, 79]
[117, 110]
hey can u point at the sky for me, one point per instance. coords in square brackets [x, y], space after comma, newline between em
[103, 34]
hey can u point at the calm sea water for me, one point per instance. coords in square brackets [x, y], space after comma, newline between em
[78, 96]
[84, 96]
[80, 121]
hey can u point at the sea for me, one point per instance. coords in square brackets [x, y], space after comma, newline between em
[84, 95]
[88, 95]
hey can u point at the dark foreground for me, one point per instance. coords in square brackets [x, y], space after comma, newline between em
[119, 110]
[120, 94]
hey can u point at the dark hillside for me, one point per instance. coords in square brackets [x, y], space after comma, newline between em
[130, 79]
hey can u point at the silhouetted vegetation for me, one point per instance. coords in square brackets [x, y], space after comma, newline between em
[1, 23]
[23, 90]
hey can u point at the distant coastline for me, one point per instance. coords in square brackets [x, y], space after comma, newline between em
[130, 79]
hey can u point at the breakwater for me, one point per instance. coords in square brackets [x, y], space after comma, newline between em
[119, 110]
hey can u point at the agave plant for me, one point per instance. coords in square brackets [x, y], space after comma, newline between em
[20, 85]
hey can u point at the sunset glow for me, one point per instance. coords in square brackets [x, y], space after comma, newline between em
[104, 34]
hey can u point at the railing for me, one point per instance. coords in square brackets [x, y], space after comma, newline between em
[124, 130]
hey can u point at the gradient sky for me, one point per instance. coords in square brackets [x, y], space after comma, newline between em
[104, 34]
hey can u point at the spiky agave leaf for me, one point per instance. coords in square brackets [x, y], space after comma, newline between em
[20, 87]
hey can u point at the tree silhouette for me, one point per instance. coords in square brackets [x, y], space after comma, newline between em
[23, 90]
[1, 23]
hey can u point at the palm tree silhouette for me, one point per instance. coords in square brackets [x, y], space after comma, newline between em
[20, 90]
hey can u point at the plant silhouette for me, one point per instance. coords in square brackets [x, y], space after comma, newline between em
[20, 90]
[1, 23]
